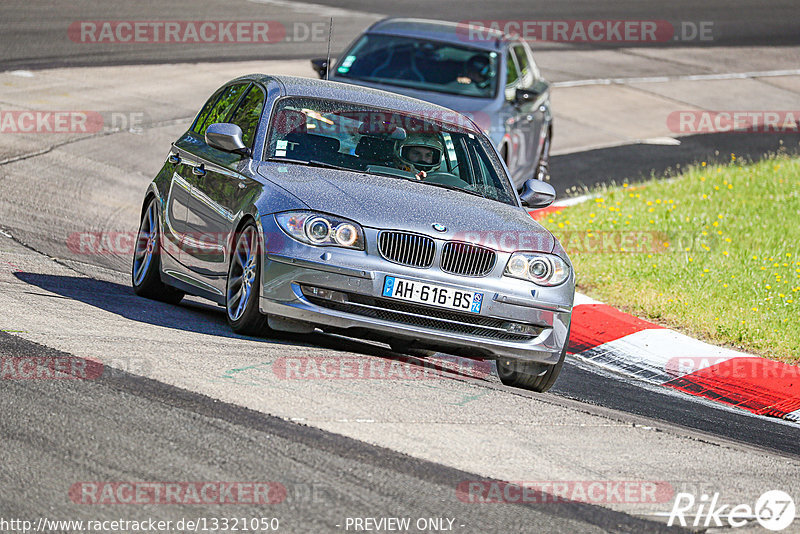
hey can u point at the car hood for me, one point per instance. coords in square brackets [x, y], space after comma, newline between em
[394, 203]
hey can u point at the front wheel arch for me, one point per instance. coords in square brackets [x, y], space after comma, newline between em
[244, 221]
[251, 321]
[147, 198]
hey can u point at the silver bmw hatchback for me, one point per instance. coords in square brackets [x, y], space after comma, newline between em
[301, 204]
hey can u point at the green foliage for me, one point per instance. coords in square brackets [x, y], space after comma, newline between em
[715, 252]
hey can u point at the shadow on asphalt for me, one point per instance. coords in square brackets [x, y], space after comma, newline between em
[574, 174]
[202, 318]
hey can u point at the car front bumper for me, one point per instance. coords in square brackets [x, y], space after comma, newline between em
[513, 322]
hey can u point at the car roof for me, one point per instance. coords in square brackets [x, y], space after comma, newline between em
[439, 30]
[314, 88]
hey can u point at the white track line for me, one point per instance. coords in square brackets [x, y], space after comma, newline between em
[314, 9]
[688, 77]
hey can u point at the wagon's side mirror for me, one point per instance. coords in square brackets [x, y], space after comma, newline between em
[537, 194]
[320, 65]
[226, 136]
[528, 95]
[524, 96]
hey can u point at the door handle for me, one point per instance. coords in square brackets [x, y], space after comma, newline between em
[174, 159]
[199, 170]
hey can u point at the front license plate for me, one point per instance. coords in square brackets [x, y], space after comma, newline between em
[432, 294]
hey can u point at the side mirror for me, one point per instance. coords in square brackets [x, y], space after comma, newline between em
[530, 94]
[524, 96]
[537, 194]
[227, 137]
[320, 65]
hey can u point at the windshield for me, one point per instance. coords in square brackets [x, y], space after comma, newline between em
[327, 133]
[421, 64]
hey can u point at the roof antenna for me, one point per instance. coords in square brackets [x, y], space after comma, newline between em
[328, 64]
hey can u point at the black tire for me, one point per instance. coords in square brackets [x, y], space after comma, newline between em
[534, 376]
[146, 266]
[404, 347]
[543, 167]
[244, 272]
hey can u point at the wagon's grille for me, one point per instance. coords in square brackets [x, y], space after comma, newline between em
[428, 317]
[467, 260]
[407, 249]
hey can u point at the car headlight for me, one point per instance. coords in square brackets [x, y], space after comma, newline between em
[321, 229]
[539, 268]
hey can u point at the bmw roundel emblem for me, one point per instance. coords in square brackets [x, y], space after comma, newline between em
[439, 227]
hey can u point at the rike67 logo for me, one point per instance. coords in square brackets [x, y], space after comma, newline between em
[774, 510]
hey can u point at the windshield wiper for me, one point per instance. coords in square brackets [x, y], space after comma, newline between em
[311, 163]
[443, 186]
[419, 86]
[388, 174]
[315, 163]
[452, 188]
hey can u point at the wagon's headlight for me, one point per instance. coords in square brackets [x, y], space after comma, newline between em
[321, 229]
[541, 269]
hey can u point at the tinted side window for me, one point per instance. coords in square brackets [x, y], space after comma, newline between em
[201, 117]
[223, 106]
[512, 77]
[248, 114]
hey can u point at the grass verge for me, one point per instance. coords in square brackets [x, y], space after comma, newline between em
[714, 252]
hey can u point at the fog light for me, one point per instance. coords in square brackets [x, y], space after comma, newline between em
[321, 293]
[520, 328]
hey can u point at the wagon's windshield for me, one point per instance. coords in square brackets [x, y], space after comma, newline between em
[431, 147]
[421, 64]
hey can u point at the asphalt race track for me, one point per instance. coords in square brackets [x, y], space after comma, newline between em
[182, 398]
[33, 30]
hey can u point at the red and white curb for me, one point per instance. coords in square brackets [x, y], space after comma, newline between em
[609, 338]
[619, 342]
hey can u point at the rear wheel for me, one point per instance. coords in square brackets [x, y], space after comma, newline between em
[242, 287]
[531, 375]
[146, 268]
